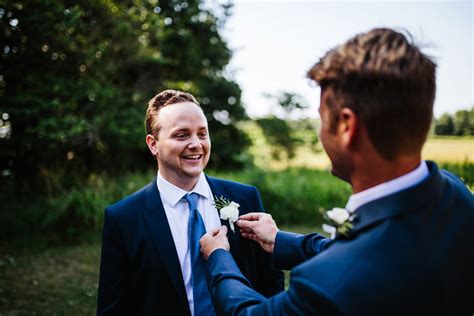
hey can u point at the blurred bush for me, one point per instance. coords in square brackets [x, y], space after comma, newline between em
[295, 196]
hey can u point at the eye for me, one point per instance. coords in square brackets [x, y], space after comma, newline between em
[181, 136]
[203, 134]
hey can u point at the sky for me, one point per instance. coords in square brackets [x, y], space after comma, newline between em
[276, 42]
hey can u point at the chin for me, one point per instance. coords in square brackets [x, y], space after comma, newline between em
[193, 172]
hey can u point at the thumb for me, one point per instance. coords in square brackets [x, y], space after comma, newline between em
[222, 230]
[214, 232]
[204, 238]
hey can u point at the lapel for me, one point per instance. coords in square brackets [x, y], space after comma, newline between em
[155, 218]
[421, 197]
[218, 191]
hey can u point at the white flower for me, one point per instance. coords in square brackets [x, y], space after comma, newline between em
[339, 222]
[229, 210]
[330, 230]
[338, 215]
[230, 213]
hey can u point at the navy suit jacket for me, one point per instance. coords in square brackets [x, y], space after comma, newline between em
[140, 272]
[409, 253]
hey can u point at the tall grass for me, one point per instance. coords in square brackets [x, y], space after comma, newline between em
[295, 196]
[70, 205]
[75, 205]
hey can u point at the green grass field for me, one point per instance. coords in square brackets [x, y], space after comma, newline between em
[57, 280]
[448, 149]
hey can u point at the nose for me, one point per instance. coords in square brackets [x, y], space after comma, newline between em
[194, 142]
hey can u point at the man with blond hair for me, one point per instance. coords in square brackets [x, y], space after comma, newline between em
[150, 261]
[404, 244]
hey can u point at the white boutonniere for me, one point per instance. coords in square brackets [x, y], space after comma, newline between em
[228, 210]
[339, 222]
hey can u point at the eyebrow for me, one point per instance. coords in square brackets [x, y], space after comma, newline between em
[185, 129]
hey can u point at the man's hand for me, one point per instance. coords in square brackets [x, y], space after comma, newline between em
[213, 240]
[259, 227]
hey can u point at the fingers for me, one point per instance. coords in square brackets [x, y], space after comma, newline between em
[214, 231]
[246, 230]
[245, 224]
[204, 239]
[222, 231]
[251, 216]
[250, 236]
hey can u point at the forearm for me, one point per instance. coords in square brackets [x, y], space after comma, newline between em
[292, 249]
[230, 290]
[233, 295]
[271, 280]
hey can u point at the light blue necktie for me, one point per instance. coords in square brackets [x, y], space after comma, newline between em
[196, 229]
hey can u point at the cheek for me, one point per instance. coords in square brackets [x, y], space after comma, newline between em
[170, 148]
[206, 144]
[322, 134]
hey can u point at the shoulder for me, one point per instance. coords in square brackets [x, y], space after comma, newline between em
[130, 203]
[455, 187]
[348, 270]
[246, 195]
[231, 185]
[453, 179]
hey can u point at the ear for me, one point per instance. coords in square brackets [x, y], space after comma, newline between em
[152, 144]
[348, 126]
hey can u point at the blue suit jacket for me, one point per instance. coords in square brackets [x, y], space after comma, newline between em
[140, 272]
[410, 253]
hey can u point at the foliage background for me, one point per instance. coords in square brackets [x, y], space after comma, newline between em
[76, 77]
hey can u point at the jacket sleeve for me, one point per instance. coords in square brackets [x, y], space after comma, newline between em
[292, 249]
[232, 294]
[270, 280]
[113, 271]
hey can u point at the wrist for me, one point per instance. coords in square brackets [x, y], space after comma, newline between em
[274, 240]
[273, 236]
[214, 251]
[217, 248]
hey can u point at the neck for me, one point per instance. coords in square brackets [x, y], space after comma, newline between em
[183, 182]
[372, 172]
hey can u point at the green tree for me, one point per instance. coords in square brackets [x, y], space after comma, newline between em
[444, 125]
[278, 134]
[464, 122]
[75, 77]
[283, 134]
[288, 101]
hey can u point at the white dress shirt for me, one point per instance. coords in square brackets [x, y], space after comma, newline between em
[177, 213]
[395, 185]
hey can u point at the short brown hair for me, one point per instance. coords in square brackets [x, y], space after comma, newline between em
[386, 80]
[162, 99]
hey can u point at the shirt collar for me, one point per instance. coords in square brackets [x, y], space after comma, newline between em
[395, 185]
[172, 194]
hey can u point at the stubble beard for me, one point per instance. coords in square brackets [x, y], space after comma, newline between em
[173, 168]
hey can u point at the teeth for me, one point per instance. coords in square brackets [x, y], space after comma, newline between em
[193, 156]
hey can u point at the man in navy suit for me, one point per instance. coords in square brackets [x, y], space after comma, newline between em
[410, 249]
[150, 260]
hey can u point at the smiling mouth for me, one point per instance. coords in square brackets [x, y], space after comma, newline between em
[192, 157]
